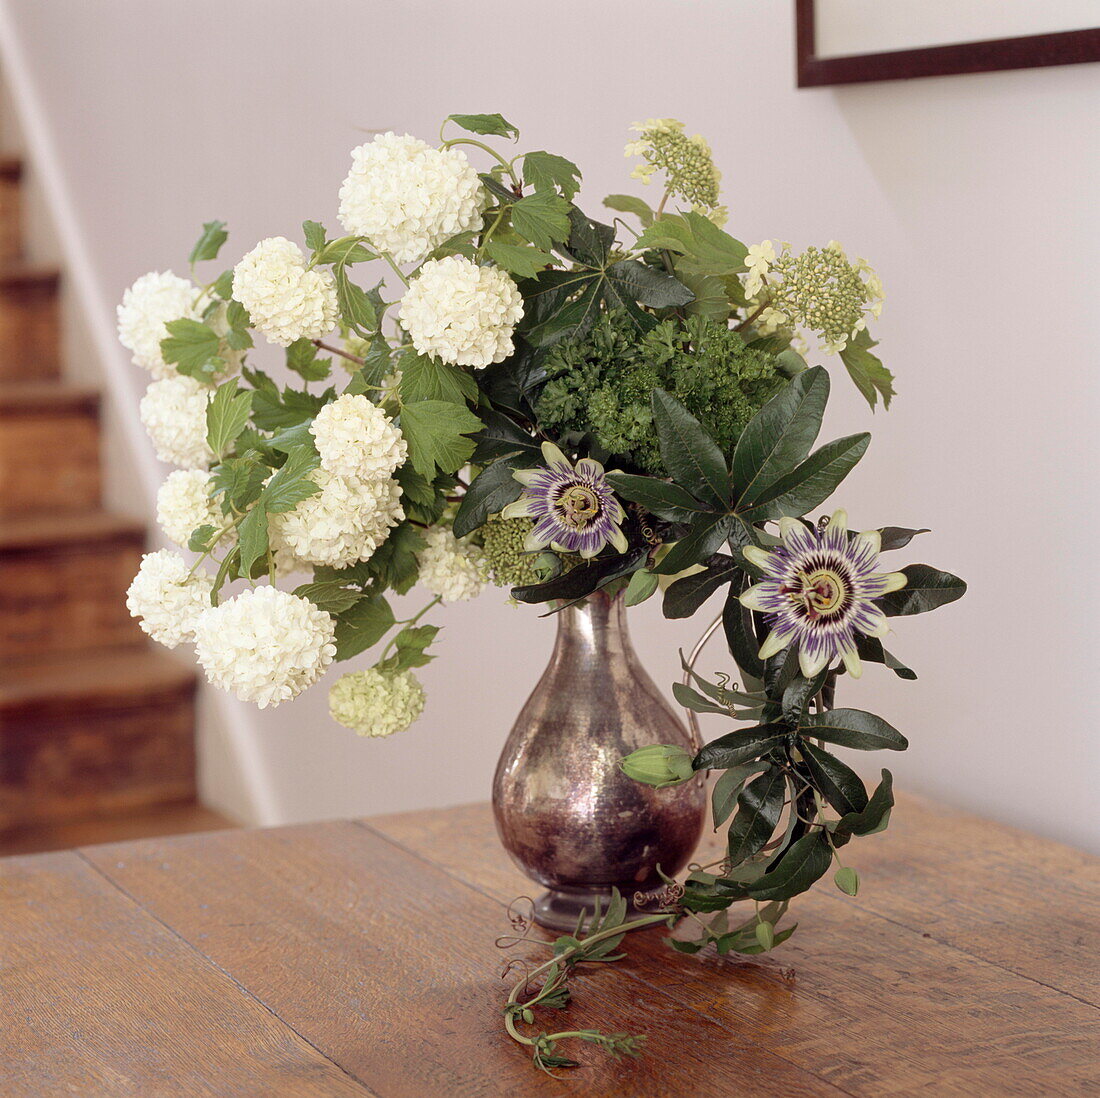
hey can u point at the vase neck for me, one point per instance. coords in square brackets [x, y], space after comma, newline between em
[597, 625]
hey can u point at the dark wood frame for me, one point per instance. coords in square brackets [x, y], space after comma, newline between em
[1025, 52]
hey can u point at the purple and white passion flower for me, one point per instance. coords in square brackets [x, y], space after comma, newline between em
[820, 588]
[573, 507]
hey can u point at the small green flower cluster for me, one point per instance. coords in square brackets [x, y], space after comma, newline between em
[510, 565]
[687, 162]
[823, 291]
[604, 383]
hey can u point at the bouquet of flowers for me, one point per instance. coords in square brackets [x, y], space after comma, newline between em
[558, 405]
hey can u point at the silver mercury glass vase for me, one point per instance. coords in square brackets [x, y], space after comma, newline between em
[565, 811]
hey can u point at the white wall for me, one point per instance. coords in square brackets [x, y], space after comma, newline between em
[973, 196]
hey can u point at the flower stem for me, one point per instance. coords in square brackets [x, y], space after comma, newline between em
[491, 151]
[337, 351]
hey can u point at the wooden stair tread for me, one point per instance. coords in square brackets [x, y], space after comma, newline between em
[168, 819]
[46, 396]
[37, 530]
[106, 677]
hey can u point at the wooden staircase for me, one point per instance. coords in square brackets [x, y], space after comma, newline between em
[96, 725]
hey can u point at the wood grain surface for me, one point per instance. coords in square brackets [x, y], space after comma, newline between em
[359, 958]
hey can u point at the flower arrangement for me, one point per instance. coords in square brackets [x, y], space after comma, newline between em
[543, 401]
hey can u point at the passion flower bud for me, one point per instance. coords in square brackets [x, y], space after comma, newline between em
[659, 765]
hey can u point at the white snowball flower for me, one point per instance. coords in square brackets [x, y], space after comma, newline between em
[407, 198]
[462, 313]
[343, 523]
[174, 413]
[265, 645]
[184, 504]
[285, 301]
[376, 703]
[452, 569]
[166, 600]
[357, 440]
[147, 306]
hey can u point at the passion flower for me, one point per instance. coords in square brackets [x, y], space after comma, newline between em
[573, 507]
[820, 588]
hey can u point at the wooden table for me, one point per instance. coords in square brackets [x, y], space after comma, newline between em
[357, 958]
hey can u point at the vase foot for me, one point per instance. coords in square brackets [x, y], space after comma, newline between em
[560, 908]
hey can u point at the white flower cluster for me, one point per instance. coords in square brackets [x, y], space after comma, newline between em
[147, 307]
[166, 599]
[454, 570]
[286, 301]
[376, 703]
[265, 645]
[174, 413]
[407, 198]
[343, 523]
[462, 313]
[184, 504]
[356, 439]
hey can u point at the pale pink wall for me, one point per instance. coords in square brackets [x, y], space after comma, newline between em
[973, 196]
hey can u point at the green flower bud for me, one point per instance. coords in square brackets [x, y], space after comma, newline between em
[659, 765]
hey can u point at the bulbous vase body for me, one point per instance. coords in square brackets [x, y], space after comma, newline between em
[565, 811]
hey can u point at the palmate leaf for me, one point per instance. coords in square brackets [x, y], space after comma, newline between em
[209, 243]
[542, 218]
[492, 125]
[424, 378]
[521, 260]
[362, 625]
[544, 171]
[437, 435]
[704, 246]
[628, 203]
[226, 417]
[190, 345]
[688, 452]
[659, 497]
[867, 371]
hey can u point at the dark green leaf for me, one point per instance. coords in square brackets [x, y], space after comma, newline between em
[292, 483]
[696, 545]
[743, 645]
[489, 493]
[723, 797]
[436, 432]
[811, 483]
[806, 861]
[356, 306]
[209, 244]
[799, 691]
[926, 589]
[493, 125]
[544, 171]
[200, 538]
[239, 479]
[647, 285]
[739, 747]
[393, 564]
[501, 437]
[837, 782]
[710, 298]
[659, 497]
[361, 626]
[584, 578]
[691, 456]
[870, 649]
[853, 728]
[781, 434]
[424, 378]
[873, 818]
[686, 595]
[758, 810]
[693, 700]
[896, 537]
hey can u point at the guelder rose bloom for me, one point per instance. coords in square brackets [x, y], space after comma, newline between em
[174, 413]
[343, 523]
[820, 587]
[147, 307]
[166, 599]
[357, 440]
[461, 313]
[573, 508]
[265, 645]
[286, 301]
[376, 703]
[184, 504]
[455, 571]
[407, 198]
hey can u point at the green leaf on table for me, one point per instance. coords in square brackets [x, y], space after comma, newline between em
[867, 371]
[521, 260]
[489, 493]
[781, 434]
[543, 171]
[926, 588]
[411, 648]
[641, 586]
[491, 125]
[424, 378]
[628, 203]
[437, 434]
[226, 416]
[704, 246]
[759, 807]
[837, 782]
[542, 218]
[659, 497]
[209, 243]
[362, 625]
[739, 747]
[190, 345]
[853, 728]
[805, 862]
[811, 483]
[690, 455]
[302, 358]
